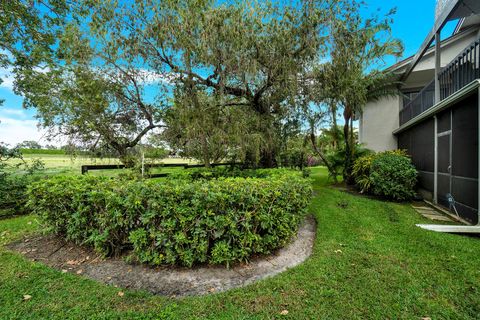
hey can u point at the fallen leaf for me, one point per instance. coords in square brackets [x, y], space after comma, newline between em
[64, 270]
[121, 294]
[109, 278]
[211, 289]
[27, 297]
[284, 312]
[338, 251]
[79, 271]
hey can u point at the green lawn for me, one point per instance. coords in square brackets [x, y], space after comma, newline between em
[65, 164]
[369, 262]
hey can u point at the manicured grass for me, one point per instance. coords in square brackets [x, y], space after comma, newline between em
[369, 262]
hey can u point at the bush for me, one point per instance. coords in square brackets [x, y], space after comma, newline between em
[361, 172]
[393, 176]
[182, 222]
[14, 178]
[362, 168]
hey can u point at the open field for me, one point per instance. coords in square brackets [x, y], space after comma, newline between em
[370, 261]
[65, 164]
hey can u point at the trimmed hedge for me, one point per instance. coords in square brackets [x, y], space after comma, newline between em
[393, 176]
[389, 174]
[181, 222]
[43, 151]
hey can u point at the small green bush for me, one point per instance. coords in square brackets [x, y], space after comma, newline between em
[181, 222]
[14, 179]
[362, 168]
[393, 176]
[361, 172]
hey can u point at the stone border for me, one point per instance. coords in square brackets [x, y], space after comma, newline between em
[168, 281]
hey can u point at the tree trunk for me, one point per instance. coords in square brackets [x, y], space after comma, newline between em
[347, 169]
[330, 168]
[205, 151]
[333, 109]
[124, 157]
[267, 159]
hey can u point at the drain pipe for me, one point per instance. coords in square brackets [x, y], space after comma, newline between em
[478, 160]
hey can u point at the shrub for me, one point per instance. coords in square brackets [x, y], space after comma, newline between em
[362, 168]
[14, 178]
[361, 172]
[393, 176]
[183, 221]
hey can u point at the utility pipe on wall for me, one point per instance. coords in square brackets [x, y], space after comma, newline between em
[438, 61]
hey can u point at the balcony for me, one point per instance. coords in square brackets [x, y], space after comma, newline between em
[457, 74]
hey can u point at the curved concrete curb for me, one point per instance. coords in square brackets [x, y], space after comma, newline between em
[173, 281]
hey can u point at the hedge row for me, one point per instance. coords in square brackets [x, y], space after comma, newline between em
[42, 151]
[182, 222]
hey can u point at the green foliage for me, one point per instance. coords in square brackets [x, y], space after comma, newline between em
[389, 174]
[13, 186]
[42, 151]
[179, 221]
[296, 153]
[338, 156]
[362, 168]
[361, 172]
[204, 129]
[29, 144]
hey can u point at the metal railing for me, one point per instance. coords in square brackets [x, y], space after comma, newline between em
[423, 101]
[461, 71]
[457, 74]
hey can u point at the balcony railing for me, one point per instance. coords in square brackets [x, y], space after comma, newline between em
[423, 100]
[457, 74]
[461, 71]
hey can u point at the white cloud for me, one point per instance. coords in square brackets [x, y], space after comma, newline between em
[7, 78]
[13, 131]
[20, 113]
[150, 77]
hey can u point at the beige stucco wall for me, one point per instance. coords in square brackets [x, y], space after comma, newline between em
[377, 122]
[449, 52]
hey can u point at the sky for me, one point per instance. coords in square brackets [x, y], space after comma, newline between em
[412, 22]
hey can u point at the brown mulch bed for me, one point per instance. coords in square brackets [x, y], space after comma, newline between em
[169, 281]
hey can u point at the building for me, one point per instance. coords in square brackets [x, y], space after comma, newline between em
[436, 119]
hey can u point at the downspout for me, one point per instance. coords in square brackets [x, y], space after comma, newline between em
[438, 55]
[435, 161]
[478, 174]
[437, 100]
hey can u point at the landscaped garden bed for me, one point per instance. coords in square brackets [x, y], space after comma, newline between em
[165, 280]
[202, 218]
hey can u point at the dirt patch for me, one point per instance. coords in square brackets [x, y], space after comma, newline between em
[169, 281]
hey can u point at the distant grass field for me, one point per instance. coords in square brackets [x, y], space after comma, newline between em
[66, 164]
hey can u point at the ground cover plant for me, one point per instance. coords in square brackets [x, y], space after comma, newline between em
[370, 261]
[187, 221]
